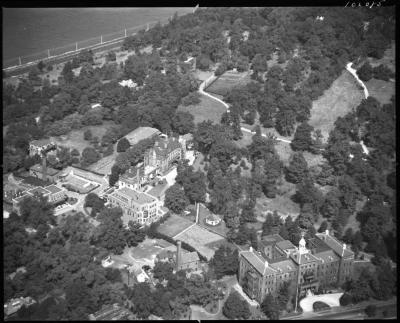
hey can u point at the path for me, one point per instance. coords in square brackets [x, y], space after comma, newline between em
[354, 73]
[331, 299]
[226, 105]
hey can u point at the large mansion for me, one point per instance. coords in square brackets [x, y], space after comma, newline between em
[136, 206]
[327, 261]
[164, 153]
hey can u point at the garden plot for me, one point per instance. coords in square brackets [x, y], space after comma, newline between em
[227, 81]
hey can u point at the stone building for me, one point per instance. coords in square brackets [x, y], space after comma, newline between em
[53, 193]
[164, 153]
[136, 206]
[327, 261]
[36, 147]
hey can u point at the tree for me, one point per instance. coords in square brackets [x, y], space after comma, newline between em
[136, 69]
[115, 171]
[225, 262]
[134, 234]
[371, 310]
[302, 137]
[162, 270]
[297, 169]
[123, 145]
[142, 299]
[67, 72]
[94, 201]
[90, 155]
[192, 98]
[111, 56]
[236, 307]
[270, 307]
[365, 73]
[175, 198]
[285, 120]
[183, 122]
[323, 226]
[87, 135]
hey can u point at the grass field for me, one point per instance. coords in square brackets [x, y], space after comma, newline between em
[75, 137]
[203, 214]
[207, 109]
[200, 239]
[227, 81]
[173, 225]
[342, 97]
[381, 90]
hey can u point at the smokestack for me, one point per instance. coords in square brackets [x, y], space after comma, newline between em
[197, 213]
[44, 167]
[178, 254]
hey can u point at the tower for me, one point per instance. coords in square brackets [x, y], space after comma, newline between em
[302, 245]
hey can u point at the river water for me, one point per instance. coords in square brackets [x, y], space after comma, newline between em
[28, 31]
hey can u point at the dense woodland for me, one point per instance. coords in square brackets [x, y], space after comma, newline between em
[315, 53]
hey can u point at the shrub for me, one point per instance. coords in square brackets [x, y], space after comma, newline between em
[346, 299]
[365, 73]
[319, 306]
[87, 135]
[370, 310]
[191, 99]
[382, 72]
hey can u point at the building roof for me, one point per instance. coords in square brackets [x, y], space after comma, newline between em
[189, 257]
[112, 312]
[303, 258]
[158, 190]
[20, 198]
[327, 256]
[137, 197]
[285, 244]
[141, 133]
[165, 146]
[49, 171]
[39, 190]
[335, 245]
[41, 142]
[131, 173]
[53, 189]
[257, 262]
[187, 137]
[285, 266]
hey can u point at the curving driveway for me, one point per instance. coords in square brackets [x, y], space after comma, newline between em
[354, 73]
[201, 91]
[331, 299]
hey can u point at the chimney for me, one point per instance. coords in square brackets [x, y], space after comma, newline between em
[44, 167]
[197, 213]
[178, 254]
[251, 249]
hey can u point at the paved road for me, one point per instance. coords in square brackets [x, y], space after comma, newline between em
[354, 73]
[226, 105]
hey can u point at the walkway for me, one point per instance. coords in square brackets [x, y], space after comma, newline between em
[354, 73]
[226, 105]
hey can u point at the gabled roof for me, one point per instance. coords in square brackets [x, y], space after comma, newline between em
[189, 257]
[257, 262]
[303, 258]
[213, 217]
[285, 266]
[137, 197]
[271, 239]
[163, 147]
[285, 244]
[335, 245]
[327, 256]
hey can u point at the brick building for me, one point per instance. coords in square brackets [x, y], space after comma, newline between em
[181, 260]
[327, 261]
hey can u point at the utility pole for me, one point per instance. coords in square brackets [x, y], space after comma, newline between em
[20, 61]
[125, 32]
[101, 39]
[48, 53]
[76, 47]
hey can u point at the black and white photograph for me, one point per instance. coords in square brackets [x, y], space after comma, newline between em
[199, 163]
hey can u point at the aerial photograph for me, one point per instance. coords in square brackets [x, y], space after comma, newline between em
[199, 163]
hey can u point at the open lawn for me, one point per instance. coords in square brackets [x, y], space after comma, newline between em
[281, 203]
[219, 229]
[174, 225]
[227, 81]
[343, 96]
[381, 90]
[207, 109]
[75, 138]
[204, 241]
